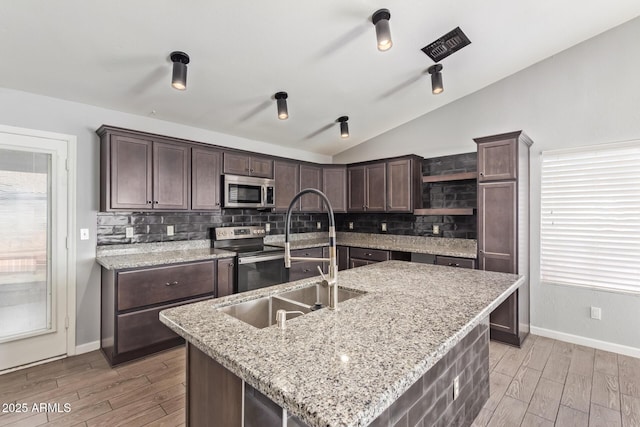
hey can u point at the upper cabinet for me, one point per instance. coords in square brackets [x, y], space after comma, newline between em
[244, 164]
[386, 186]
[334, 186]
[310, 177]
[206, 182]
[139, 173]
[497, 160]
[287, 183]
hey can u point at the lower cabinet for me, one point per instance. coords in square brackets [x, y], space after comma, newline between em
[226, 277]
[455, 261]
[360, 256]
[132, 300]
[305, 269]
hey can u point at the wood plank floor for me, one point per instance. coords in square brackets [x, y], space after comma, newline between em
[545, 383]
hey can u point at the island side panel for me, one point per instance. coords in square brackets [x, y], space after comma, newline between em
[214, 394]
[429, 401]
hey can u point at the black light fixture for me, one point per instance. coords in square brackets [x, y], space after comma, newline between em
[344, 126]
[436, 79]
[283, 111]
[381, 20]
[179, 77]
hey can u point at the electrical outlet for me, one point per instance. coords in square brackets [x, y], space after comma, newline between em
[84, 234]
[596, 313]
[170, 230]
[350, 226]
[383, 226]
[267, 227]
[456, 387]
[319, 225]
[128, 232]
[436, 229]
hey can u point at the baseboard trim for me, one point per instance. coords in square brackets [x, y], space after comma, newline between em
[88, 347]
[589, 342]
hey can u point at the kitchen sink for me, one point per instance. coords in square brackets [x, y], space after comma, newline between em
[261, 313]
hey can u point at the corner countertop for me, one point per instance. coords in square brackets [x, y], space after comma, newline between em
[462, 248]
[117, 257]
[345, 367]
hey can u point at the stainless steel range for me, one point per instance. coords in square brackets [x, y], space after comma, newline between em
[259, 265]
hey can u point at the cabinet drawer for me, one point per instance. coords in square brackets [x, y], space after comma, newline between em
[301, 269]
[310, 252]
[139, 288]
[455, 262]
[143, 328]
[369, 254]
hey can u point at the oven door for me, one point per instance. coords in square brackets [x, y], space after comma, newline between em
[260, 271]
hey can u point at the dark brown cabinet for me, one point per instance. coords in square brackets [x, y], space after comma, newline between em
[503, 226]
[244, 164]
[206, 170]
[367, 188]
[394, 185]
[310, 177]
[226, 277]
[343, 257]
[334, 186]
[141, 174]
[287, 184]
[455, 261]
[305, 269]
[132, 299]
[361, 256]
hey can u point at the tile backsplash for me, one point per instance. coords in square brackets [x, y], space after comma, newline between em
[152, 226]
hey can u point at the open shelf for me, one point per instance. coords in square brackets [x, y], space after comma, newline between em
[450, 177]
[444, 211]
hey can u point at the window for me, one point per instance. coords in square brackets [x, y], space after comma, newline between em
[590, 217]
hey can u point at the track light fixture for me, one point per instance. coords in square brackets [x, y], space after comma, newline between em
[344, 126]
[179, 77]
[281, 100]
[436, 79]
[381, 20]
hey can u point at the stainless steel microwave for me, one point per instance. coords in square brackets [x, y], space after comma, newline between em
[248, 192]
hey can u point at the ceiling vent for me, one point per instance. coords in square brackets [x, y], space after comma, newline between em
[451, 42]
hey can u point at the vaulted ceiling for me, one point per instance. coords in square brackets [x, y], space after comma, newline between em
[115, 54]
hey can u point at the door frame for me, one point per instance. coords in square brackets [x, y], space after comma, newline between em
[71, 144]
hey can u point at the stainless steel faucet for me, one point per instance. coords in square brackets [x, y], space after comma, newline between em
[332, 281]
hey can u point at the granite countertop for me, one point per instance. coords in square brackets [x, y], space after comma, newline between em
[463, 248]
[116, 257]
[345, 367]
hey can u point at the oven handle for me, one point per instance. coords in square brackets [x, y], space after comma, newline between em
[259, 258]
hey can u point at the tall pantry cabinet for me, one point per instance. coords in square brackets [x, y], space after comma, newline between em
[503, 226]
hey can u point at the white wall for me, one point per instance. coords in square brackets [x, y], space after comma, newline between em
[49, 114]
[589, 94]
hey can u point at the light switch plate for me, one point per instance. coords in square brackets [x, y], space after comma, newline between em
[170, 230]
[350, 226]
[596, 313]
[383, 226]
[128, 232]
[319, 225]
[267, 227]
[84, 234]
[436, 229]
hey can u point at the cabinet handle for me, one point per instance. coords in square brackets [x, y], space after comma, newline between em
[369, 254]
[217, 203]
[306, 270]
[155, 202]
[172, 283]
[149, 202]
[231, 265]
[454, 264]
[481, 173]
[251, 170]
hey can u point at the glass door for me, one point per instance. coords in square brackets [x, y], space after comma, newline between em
[33, 254]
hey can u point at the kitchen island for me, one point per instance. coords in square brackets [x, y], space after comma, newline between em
[390, 355]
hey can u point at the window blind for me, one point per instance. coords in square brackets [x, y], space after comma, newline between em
[590, 217]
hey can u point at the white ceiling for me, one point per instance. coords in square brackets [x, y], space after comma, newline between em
[114, 54]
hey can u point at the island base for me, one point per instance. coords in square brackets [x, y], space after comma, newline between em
[217, 397]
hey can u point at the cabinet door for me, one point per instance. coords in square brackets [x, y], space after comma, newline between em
[170, 176]
[206, 167]
[310, 177]
[286, 177]
[497, 160]
[236, 164]
[356, 183]
[226, 277]
[376, 188]
[343, 257]
[131, 173]
[334, 185]
[399, 186]
[497, 227]
[261, 166]
[504, 318]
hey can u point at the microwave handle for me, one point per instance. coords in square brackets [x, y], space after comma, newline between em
[264, 196]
